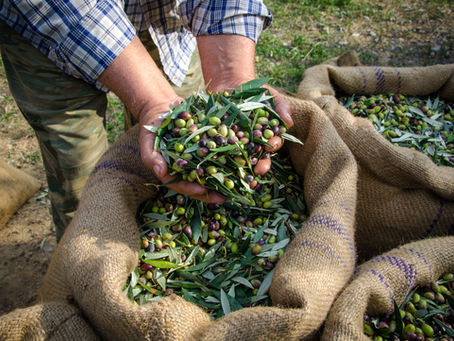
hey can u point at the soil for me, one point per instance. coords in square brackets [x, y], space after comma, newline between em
[28, 239]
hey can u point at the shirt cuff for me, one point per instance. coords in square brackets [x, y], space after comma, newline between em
[92, 44]
[210, 17]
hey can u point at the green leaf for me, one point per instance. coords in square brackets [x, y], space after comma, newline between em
[234, 304]
[398, 318]
[160, 279]
[243, 281]
[196, 223]
[134, 277]
[153, 129]
[202, 265]
[445, 327]
[266, 283]
[259, 233]
[223, 110]
[162, 264]
[191, 256]
[156, 255]
[219, 177]
[416, 110]
[255, 83]
[183, 284]
[197, 132]
[212, 299]
[450, 300]
[225, 303]
[291, 138]
[225, 148]
[281, 233]
[246, 106]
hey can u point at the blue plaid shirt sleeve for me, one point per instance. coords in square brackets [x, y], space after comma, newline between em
[80, 37]
[207, 17]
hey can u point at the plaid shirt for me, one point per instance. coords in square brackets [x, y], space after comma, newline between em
[82, 37]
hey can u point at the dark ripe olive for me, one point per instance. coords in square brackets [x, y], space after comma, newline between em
[257, 134]
[187, 231]
[232, 140]
[202, 151]
[184, 115]
[220, 140]
[182, 163]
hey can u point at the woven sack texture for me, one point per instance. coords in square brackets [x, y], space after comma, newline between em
[384, 278]
[16, 187]
[101, 247]
[49, 321]
[402, 194]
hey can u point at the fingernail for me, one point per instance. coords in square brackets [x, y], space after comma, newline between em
[157, 170]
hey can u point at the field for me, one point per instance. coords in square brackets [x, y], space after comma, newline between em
[303, 33]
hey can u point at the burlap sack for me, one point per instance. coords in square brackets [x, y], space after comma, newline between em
[101, 248]
[48, 321]
[402, 194]
[16, 187]
[384, 278]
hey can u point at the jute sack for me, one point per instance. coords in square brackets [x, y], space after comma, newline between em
[47, 321]
[402, 194]
[16, 187]
[384, 278]
[101, 248]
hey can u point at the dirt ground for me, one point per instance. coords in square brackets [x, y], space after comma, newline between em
[28, 239]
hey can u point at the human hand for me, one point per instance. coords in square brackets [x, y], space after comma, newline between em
[153, 159]
[228, 62]
[135, 78]
[281, 107]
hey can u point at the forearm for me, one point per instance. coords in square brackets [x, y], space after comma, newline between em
[137, 81]
[227, 60]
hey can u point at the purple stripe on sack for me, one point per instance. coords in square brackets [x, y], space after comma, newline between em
[436, 219]
[334, 225]
[135, 150]
[420, 256]
[363, 75]
[382, 280]
[346, 209]
[408, 269]
[115, 165]
[380, 76]
[326, 249]
[399, 80]
[356, 271]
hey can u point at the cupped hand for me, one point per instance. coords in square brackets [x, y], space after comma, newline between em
[154, 160]
[281, 106]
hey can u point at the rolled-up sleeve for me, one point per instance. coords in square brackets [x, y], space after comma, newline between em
[208, 17]
[80, 37]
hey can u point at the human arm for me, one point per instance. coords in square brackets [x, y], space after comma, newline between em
[227, 33]
[227, 62]
[138, 82]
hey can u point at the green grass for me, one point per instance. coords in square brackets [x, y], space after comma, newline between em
[114, 118]
[305, 33]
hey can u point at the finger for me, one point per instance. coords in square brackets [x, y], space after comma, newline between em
[283, 109]
[150, 157]
[184, 187]
[281, 106]
[276, 143]
[195, 191]
[262, 166]
[210, 197]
